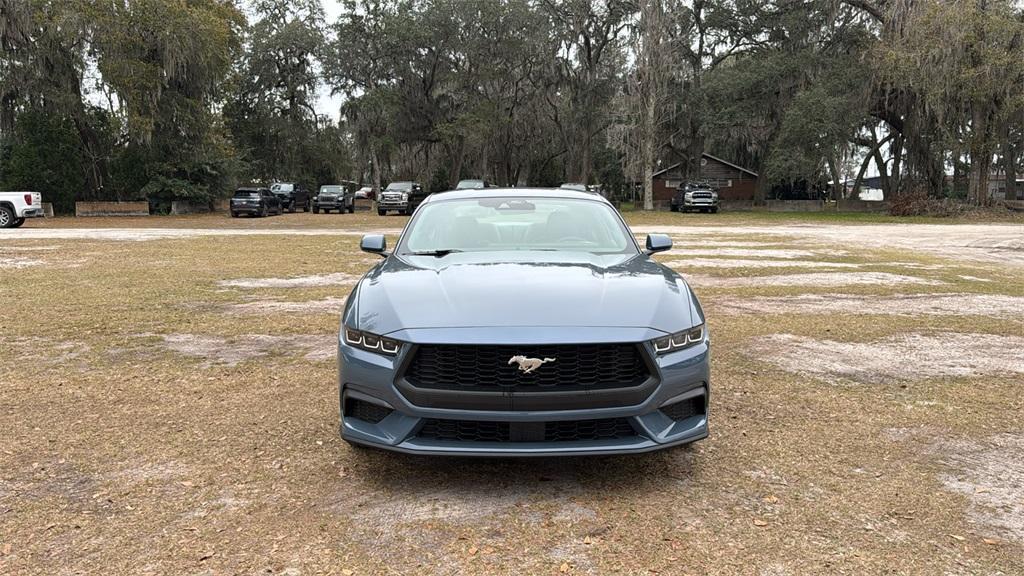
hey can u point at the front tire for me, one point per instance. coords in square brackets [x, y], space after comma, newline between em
[18, 222]
[6, 217]
[382, 212]
[263, 212]
[714, 210]
[316, 209]
[234, 214]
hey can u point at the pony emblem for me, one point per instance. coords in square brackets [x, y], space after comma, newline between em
[527, 365]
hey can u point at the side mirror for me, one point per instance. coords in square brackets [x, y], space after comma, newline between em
[658, 243]
[374, 244]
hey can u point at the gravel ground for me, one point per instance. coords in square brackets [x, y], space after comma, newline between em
[157, 421]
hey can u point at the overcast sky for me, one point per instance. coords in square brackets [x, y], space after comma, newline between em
[326, 104]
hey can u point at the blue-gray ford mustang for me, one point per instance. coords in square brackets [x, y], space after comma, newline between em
[521, 322]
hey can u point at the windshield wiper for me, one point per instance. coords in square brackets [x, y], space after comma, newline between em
[437, 253]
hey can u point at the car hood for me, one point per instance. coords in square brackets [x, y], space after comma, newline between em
[529, 289]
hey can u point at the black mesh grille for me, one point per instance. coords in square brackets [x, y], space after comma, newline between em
[367, 411]
[567, 431]
[684, 409]
[487, 368]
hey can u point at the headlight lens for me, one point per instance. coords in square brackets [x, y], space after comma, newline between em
[679, 340]
[371, 342]
[405, 197]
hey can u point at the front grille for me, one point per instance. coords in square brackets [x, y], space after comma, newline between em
[702, 194]
[684, 409]
[486, 368]
[367, 411]
[563, 431]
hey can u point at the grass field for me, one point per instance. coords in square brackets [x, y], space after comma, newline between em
[168, 406]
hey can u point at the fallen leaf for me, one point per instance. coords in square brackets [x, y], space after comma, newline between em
[771, 499]
[7, 549]
[990, 541]
[759, 522]
[473, 550]
[587, 540]
[564, 567]
[187, 483]
[347, 572]
[957, 538]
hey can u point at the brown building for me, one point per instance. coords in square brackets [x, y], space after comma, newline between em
[734, 183]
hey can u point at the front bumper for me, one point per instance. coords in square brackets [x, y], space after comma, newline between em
[376, 413]
[700, 203]
[331, 204]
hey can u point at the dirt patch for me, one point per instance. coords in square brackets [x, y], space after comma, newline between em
[324, 306]
[895, 359]
[47, 352]
[811, 279]
[991, 305]
[742, 263]
[18, 262]
[336, 279]
[145, 234]
[231, 352]
[753, 253]
[990, 474]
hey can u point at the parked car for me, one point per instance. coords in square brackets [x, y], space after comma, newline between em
[255, 201]
[293, 196]
[563, 338]
[401, 197]
[339, 197]
[364, 193]
[694, 196]
[574, 186]
[15, 207]
[473, 184]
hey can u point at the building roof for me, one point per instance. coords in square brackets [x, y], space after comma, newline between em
[709, 156]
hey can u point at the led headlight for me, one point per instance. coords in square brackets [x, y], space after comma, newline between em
[405, 197]
[371, 342]
[679, 340]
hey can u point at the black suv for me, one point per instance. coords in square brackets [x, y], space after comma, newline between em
[402, 197]
[293, 196]
[339, 197]
[255, 201]
[694, 196]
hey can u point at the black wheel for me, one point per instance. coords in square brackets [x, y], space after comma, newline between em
[263, 212]
[316, 210]
[17, 222]
[673, 208]
[306, 207]
[382, 212]
[714, 210]
[234, 214]
[6, 217]
[352, 208]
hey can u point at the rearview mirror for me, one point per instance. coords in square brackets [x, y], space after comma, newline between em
[658, 243]
[374, 244]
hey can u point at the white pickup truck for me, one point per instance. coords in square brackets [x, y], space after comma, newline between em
[16, 206]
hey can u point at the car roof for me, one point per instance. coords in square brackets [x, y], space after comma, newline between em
[515, 193]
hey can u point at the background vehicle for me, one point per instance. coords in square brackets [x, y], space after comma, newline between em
[15, 207]
[255, 201]
[473, 184]
[694, 196]
[339, 197]
[366, 192]
[402, 197]
[293, 196]
[574, 186]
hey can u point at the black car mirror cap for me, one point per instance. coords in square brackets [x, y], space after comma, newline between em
[658, 243]
[374, 244]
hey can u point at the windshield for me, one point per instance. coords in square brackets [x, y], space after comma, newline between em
[282, 187]
[330, 189]
[470, 184]
[247, 194]
[518, 223]
[400, 186]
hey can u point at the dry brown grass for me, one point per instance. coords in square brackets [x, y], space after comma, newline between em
[152, 427]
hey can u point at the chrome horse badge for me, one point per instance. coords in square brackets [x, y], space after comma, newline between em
[527, 365]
